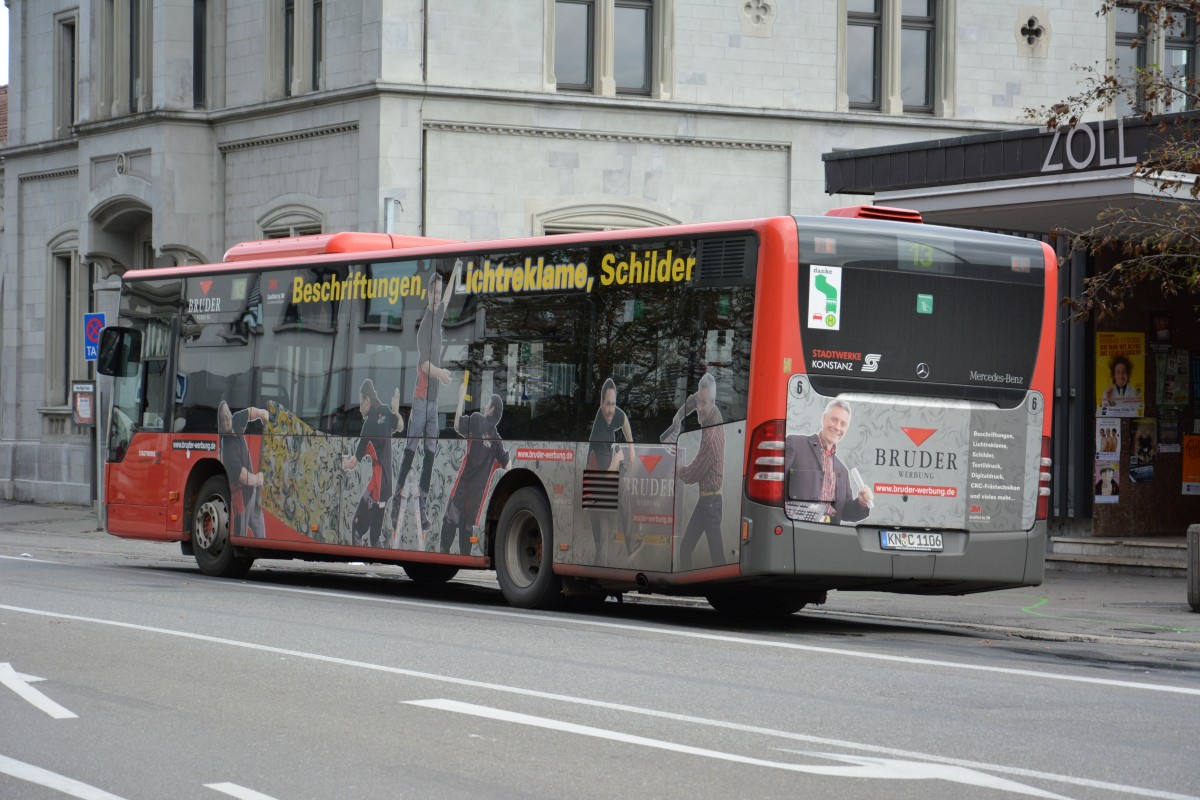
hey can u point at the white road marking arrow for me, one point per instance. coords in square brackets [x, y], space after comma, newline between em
[19, 683]
[239, 792]
[44, 777]
[863, 767]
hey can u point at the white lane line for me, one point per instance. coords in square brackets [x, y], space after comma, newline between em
[583, 701]
[564, 620]
[240, 792]
[874, 768]
[20, 684]
[739, 640]
[29, 558]
[52, 780]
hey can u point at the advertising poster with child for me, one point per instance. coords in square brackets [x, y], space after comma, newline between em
[1120, 373]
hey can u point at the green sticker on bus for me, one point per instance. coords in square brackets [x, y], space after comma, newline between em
[924, 304]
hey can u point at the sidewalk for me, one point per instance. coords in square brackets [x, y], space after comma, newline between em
[1069, 606]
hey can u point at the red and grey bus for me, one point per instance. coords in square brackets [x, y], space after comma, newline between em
[756, 412]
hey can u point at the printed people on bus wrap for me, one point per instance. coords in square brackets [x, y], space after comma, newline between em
[375, 446]
[706, 471]
[1121, 391]
[423, 419]
[607, 452]
[817, 476]
[245, 512]
[485, 451]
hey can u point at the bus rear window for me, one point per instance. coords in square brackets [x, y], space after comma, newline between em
[899, 310]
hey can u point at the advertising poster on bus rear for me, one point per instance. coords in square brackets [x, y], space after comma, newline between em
[899, 461]
[1120, 373]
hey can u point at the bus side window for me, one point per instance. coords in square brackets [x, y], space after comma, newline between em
[154, 392]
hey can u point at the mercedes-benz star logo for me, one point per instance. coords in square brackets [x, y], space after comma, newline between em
[922, 370]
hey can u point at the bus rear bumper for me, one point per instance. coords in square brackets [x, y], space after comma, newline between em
[851, 557]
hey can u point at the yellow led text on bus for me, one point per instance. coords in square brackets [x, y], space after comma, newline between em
[357, 286]
[653, 267]
[540, 277]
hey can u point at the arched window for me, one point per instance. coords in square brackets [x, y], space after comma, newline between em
[291, 216]
[581, 217]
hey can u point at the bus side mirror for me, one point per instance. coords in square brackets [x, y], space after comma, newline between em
[120, 352]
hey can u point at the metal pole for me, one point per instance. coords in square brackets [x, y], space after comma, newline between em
[97, 459]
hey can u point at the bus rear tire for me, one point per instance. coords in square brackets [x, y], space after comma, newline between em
[214, 552]
[525, 552]
[756, 602]
[429, 574]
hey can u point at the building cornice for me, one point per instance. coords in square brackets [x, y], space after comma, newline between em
[289, 136]
[49, 175]
[600, 136]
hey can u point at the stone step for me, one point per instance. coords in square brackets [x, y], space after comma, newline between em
[1123, 565]
[1150, 550]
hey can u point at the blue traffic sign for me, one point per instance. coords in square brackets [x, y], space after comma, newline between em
[92, 325]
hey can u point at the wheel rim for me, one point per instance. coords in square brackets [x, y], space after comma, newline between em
[523, 549]
[212, 524]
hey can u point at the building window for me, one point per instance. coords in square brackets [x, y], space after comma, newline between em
[1164, 37]
[301, 45]
[318, 39]
[289, 46]
[135, 54]
[917, 31]
[70, 296]
[286, 231]
[66, 78]
[894, 56]
[864, 42]
[199, 53]
[611, 47]
[123, 52]
[581, 217]
[633, 43]
[1179, 63]
[573, 37]
[1130, 54]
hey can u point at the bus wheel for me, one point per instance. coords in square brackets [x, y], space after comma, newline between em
[429, 574]
[210, 533]
[524, 552]
[756, 602]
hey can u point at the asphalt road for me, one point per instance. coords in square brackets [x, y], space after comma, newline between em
[309, 681]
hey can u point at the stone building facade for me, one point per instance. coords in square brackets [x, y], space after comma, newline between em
[153, 132]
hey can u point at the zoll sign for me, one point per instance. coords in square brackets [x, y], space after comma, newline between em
[1100, 145]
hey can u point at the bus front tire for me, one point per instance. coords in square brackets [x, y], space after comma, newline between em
[525, 554]
[210, 533]
[429, 574]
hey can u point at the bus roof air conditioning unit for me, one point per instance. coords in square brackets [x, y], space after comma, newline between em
[877, 212]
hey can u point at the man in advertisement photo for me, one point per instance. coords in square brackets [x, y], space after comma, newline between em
[610, 444]
[246, 515]
[706, 471]
[423, 427]
[816, 475]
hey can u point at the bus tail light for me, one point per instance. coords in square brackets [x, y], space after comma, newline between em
[765, 471]
[1043, 501]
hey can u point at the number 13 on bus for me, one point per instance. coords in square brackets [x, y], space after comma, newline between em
[757, 412]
